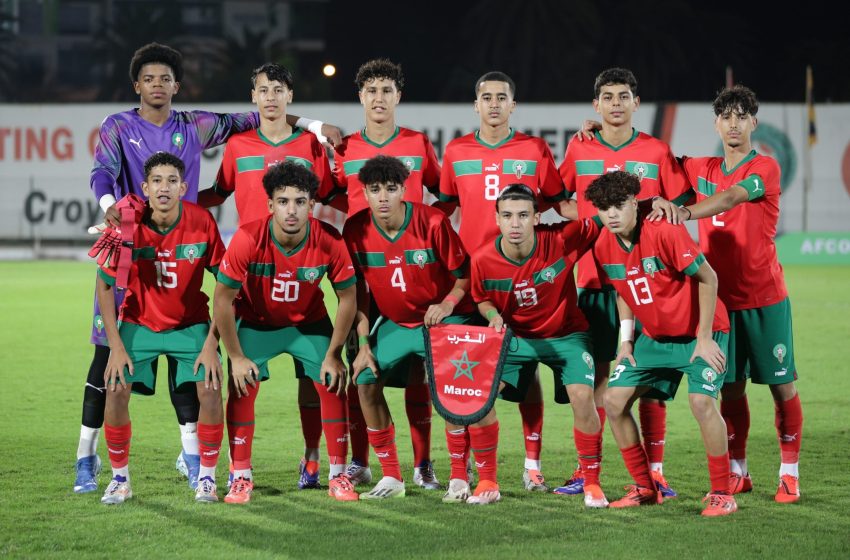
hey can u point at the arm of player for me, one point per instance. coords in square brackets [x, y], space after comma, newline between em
[568, 209]
[208, 198]
[588, 129]
[118, 356]
[326, 133]
[717, 203]
[365, 358]
[706, 347]
[489, 312]
[332, 365]
[665, 209]
[210, 359]
[439, 311]
[627, 333]
[243, 372]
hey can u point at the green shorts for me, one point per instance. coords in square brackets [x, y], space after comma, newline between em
[661, 363]
[145, 345]
[600, 309]
[394, 346]
[761, 345]
[307, 344]
[570, 357]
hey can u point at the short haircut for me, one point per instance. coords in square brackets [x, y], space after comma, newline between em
[290, 174]
[155, 53]
[383, 170]
[518, 191]
[612, 189]
[495, 76]
[274, 72]
[164, 158]
[614, 76]
[379, 68]
[736, 98]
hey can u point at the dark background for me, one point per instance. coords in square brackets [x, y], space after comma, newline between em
[79, 50]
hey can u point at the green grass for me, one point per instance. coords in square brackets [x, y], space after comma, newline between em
[45, 355]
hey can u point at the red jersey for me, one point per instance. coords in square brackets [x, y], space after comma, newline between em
[279, 288]
[536, 296]
[164, 290]
[413, 148]
[643, 155]
[248, 154]
[413, 271]
[739, 242]
[475, 173]
[654, 278]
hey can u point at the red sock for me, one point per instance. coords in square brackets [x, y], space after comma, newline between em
[334, 424]
[789, 428]
[589, 448]
[118, 444]
[638, 465]
[736, 414]
[485, 444]
[532, 428]
[653, 428]
[311, 424]
[357, 427]
[209, 443]
[383, 442]
[458, 446]
[240, 426]
[600, 410]
[417, 403]
[718, 473]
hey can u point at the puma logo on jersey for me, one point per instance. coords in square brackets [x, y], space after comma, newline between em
[493, 167]
[687, 255]
[757, 187]
[287, 274]
[137, 143]
[612, 169]
[395, 260]
[634, 270]
[165, 253]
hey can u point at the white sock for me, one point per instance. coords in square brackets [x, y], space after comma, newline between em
[206, 471]
[88, 442]
[311, 454]
[123, 471]
[247, 474]
[657, 467]
[189, 438]
[532, 464]
[335, 470]
[789, 468]
[738, 466]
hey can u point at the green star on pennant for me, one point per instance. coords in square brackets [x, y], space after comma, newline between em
[464, 366]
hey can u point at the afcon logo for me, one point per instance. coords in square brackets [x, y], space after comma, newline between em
[709, 375]
[312, 275]
[98, 322]
[190, 252]
[519, 168]
[548, 274]
[420, 257]
[177, 139]
[779, 352]
[588, 359]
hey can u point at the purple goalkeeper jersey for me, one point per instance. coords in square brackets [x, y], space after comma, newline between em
[127, 141]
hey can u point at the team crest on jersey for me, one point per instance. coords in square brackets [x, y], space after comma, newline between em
[640, 171]
[548, 274]
[177, 139]
[408, 163]
[779, 352]
[311, 275]
[588, 359]
[520, 168]
[420, 258]
[709, 375]
[98, 322]
[190, 252]
[649, 266]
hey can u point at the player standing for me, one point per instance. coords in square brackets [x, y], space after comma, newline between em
[525, 280]
[663, 281]
[273, 271]
[476, 168]
[617, 146]
[164, 312]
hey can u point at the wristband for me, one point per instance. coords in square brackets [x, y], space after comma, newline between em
[627, 330]
[490, 314]
[304, 122]
[362, 340]
[689, 212]
[450, 299]
[106, 201]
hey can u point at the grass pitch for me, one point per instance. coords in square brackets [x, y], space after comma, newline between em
[46, 311]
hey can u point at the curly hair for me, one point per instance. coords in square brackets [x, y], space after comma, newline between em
[737, 98]
[612, 189]
[274, 72]
[383, 170]
[164, 158]
[379, 68]
[290, 174]
[155, 53]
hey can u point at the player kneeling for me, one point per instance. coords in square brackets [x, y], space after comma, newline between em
[273, 270]
[164, 313]
[664, 281]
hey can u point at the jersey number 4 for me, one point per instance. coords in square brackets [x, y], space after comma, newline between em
[397, 280]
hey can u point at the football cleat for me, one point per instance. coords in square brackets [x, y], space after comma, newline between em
[573, 485]
[87, 470]
[740, 483]
[341, 489]
[533, 481]
[117, 492]
[193, 469]
[719, 504]
[638, 496]
[789, 489]
[487, 492]
[594, 497]
[181, 465]
[206, 491]
[458, 491]
[308, 475]
[663, 487]
[358, 473]
[387, 487]
[424, 476]
[240, 491]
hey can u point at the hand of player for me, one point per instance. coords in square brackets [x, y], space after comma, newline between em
[438, 312]
[708, 350]
[107, 248]
[243, 372]
[114, 374]
[662, 208]
[112, 217]
[332, 134]
[625, 353]
[588, 128]
[333, 374]
[365, 359]
[497, 323]
[209, 358]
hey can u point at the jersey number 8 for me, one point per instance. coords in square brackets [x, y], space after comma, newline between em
[491, 187]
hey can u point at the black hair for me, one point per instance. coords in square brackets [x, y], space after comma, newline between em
[613, 76]
[383, 170]
[164, 158]
[290, 174]
[155, 53]
[738, 98]
[379, 68]
[612, 189]
[495, 76]
[518, 191]
[274, 72]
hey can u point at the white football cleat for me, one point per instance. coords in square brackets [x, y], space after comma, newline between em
[387, 487]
